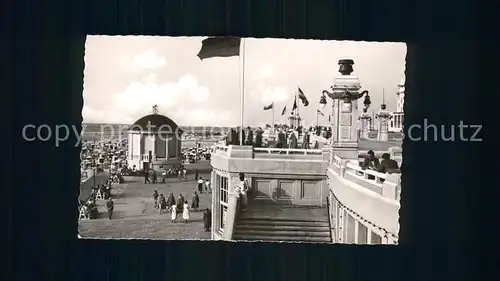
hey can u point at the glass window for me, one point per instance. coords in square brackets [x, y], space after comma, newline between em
[223, 217]
[362, 233]
[223, 189]
[376, 239]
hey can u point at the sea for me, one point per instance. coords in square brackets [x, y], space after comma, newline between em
[109, 132]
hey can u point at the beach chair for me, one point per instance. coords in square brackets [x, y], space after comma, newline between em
[99, 195]
[82, 215]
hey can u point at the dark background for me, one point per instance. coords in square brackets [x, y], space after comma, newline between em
[43, 50]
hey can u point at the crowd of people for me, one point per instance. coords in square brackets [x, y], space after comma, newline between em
[179, 208]
[286, 136]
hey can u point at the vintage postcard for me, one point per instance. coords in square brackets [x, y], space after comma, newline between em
[242, 139]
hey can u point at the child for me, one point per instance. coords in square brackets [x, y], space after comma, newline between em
[155, 198]
[185, 212]
[173, 209]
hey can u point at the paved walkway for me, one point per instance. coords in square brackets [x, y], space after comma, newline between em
[136, 217]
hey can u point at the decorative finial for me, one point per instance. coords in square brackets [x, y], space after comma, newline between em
[383, 105]
[155, 109]
[346, 66]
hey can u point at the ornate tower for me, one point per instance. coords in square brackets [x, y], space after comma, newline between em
[383, 120]
[345, 109]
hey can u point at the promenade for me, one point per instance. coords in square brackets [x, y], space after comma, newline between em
[136, 217]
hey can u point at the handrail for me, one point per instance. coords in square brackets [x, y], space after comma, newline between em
[329, 217]
[379, 177]
[289, 151]
[356, 215]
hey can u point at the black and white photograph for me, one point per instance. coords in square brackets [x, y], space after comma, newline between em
[241, 139]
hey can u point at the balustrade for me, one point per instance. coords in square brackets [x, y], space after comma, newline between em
[288, 151]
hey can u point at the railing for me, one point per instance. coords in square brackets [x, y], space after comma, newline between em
[145, 157]
[233, 209]
[368, 175]
[389, 237]
[288, 151]
[329, 217]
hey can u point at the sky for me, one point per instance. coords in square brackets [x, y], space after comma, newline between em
[125, 76]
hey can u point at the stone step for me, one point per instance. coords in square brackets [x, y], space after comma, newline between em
[282, 233]
[257, 227]
[287, 222]
[253, 237]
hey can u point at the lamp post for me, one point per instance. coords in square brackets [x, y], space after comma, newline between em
[344, 91]
[383, 117]
[365, 118]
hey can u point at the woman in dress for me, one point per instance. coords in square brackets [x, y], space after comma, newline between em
[185, 212]
[173, 210]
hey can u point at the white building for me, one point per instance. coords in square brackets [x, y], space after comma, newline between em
[154, 142]
[397, 117]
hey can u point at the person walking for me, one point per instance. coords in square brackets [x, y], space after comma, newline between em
[155, 198]
[195, 201]
[207, 219]
[173, 213]
[208, 189]
[111, 206]
[200, 185]
[163, 204]
[185, 212]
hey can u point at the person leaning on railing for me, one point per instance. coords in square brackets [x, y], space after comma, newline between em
[388, 165]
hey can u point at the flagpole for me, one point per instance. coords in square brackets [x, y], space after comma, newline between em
[242, 87]
[296, 112]
[316, 118]
[273, 114]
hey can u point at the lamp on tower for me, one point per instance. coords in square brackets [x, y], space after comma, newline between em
[322, 101]
[367, 102]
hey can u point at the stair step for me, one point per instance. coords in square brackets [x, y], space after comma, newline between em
[291, 219]
[272, 233]
[307, 228]
[282, 222]
[249, 237]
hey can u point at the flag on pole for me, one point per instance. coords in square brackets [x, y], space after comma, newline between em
[267, 107]
[319, 112]
[294, 105]
[283, 111]
[329, 118]
[303, 98]
[219, 47]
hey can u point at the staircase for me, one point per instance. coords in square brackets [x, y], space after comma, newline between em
[283, 224]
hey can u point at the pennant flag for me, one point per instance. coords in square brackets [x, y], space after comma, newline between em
[219, 47]
[303, 98]
[283, 111]
[267, 107]
[294, 105]
[319, 112]
[329, 118]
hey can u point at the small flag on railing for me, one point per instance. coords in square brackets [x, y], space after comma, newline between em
[283, 111]
[319, 112]
[303, 98]
[267, 107]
